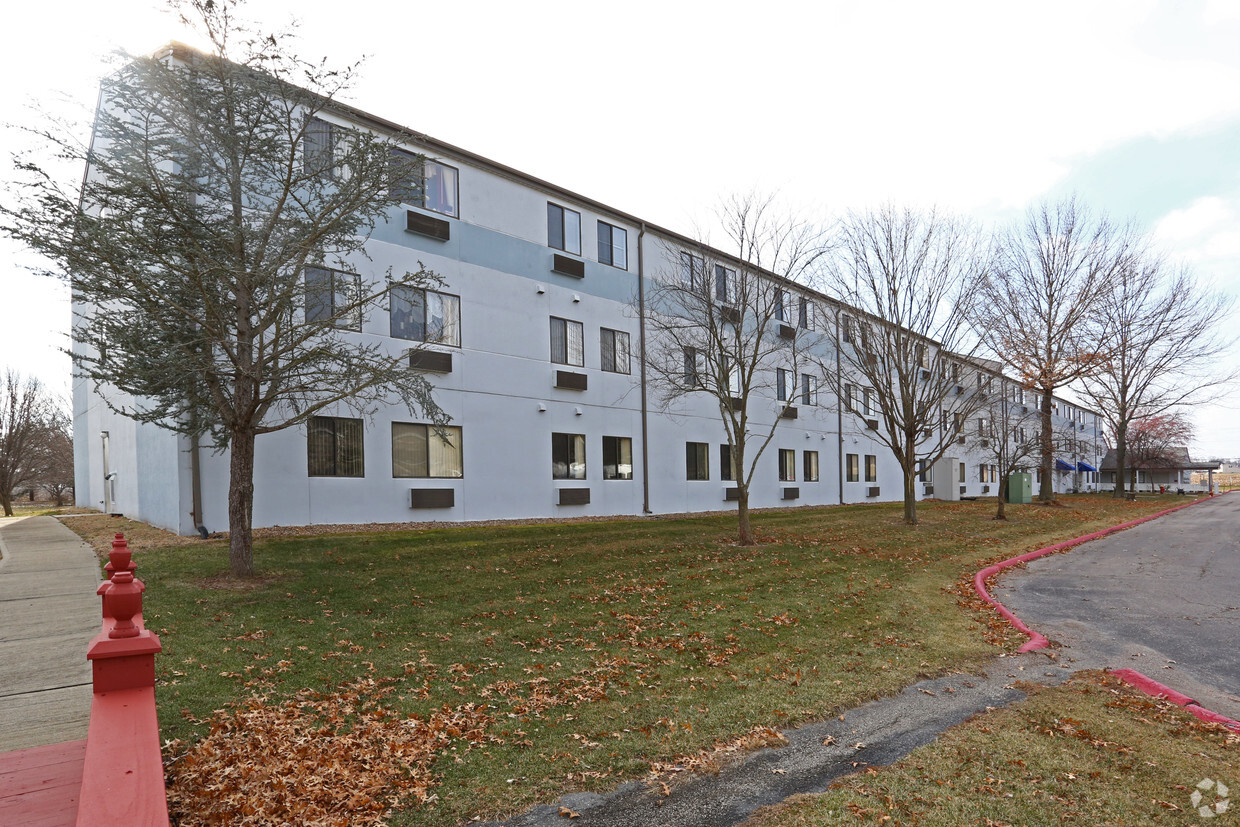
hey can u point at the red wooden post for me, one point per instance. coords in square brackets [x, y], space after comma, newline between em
[123, 775]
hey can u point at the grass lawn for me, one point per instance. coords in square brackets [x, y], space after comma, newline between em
[1093, 751]
[464, 672]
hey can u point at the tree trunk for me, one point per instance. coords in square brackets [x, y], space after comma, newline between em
[7, 503]
[241, 504]
[910, 498]
[742, 514]
[1121, 460]
[1046, 489]
[1003, 486]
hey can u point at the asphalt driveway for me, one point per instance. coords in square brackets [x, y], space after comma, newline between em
[1162, 598]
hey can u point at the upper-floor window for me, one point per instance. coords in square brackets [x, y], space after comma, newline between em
[325, 146]
[425, 451]
[425, 316]
[334, 447]
[614, 350]
[784, 381]
[613, 245]
[563, 229]
[846, 329]
[725, 284]
[568, 456]
[692, 270]
[693, 368]
[809, 389]
[781, 304]
[805, 314]
[431, 185]
[567, 342]
[334, 297]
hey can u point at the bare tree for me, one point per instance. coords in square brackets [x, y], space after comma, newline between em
[57, 476]
[1039, 307]
[735, 330]
[910, 277]
[1006, 435]
[1163, 345]
[215, 246]
[25, 424]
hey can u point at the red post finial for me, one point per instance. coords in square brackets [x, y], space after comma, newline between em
[120, 558]
[121, 602]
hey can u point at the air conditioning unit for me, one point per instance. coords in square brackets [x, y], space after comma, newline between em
[871, 424]
[872, 491]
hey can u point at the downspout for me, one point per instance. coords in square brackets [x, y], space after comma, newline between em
[641, 343]
[195, 482]
[839, 413]
[107, 475]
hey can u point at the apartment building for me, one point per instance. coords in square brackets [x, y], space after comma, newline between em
[535, 346]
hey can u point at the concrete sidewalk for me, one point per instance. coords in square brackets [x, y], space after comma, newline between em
[48, 615]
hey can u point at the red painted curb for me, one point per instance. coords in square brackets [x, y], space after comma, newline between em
[1036, 640]
[1155, 689]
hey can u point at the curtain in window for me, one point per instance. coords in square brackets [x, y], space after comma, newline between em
[441, 188]
[445, 452]
[409, 454]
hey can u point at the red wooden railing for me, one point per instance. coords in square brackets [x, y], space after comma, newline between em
[123, 776]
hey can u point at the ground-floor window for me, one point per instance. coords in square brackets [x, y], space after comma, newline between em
[426, 451]
[871, 468]
[568, 456]
[697, 464]
[853, 469]
[334, 447]
[810, 461]
[617, 458]
[787, 465]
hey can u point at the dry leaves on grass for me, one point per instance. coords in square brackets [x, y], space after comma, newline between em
[321, 760]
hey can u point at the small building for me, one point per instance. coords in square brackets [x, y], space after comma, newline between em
[1172, 469]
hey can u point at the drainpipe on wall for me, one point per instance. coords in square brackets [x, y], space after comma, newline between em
[641, 343]
[107, 475]
[195, 483]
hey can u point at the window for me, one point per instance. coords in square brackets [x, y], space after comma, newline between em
[334, 447]
[617, 458]
[697, 466]
[810, 465]
[982, 426]
[563, 229]
[426, 451]
[725, 281]
[867, 400]
[955, 371]
[983, 473]
[871, 468]
[568, 456]
[784, 381]
[693, 374]
[962, 472]
[324, 149]
[334, 297]
[809, 389]
[692, 271]
[850, 393]
[613, 245]
[567, 342]
[614, 347]
[805, 314]
[425, 316]
[727, 466]
[852, 469]
[958, 423]
[846, 329]
[781, 304]
[787, 465]
[919, 352]
[431, 185]
[925, 471]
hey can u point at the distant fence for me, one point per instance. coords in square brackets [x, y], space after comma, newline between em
[123, 776]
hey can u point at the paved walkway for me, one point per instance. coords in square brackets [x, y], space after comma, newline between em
[48, 614]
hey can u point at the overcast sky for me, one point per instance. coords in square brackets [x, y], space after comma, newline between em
[659, 109]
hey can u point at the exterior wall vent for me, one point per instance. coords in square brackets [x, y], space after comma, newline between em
[566, 266]
[571, 380]
[789, 412]
[791, 494]
[731, 494]
[574, 496]
[431, 360]
[432, 498]
[416, 222]
[872, 491]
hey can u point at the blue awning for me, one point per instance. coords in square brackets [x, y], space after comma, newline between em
[1085, 466]
[1060, 465]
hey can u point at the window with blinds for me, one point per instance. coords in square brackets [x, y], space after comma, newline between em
[426, 451]
[334, 447]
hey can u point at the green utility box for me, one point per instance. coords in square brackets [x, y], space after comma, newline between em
[1020, 488]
